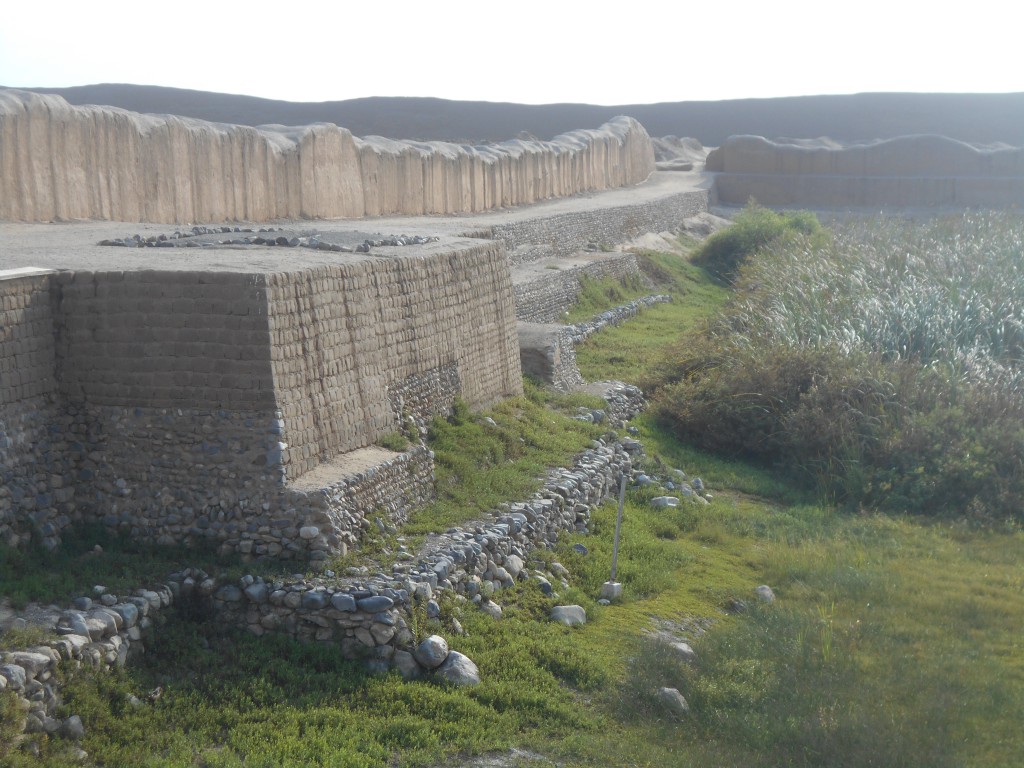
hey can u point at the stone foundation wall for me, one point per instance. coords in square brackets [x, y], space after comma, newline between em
[179, 406]
[36, 491]
[61, 162]
[388, 491]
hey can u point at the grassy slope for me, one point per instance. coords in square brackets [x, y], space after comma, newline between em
[893, 642]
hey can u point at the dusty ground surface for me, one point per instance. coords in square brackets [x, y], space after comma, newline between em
[340, 467]
[74, 245]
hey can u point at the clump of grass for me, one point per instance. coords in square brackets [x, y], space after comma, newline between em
[479, 464]
[754, 229]
[596, 296]
[394, 441]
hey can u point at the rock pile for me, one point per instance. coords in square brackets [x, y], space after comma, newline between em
[208, 237]
[102, 632]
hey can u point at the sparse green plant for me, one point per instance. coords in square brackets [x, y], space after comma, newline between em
[394, 441]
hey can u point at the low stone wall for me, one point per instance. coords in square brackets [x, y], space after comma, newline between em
[61, 162]
[547, 297]
[105, 634]
[529, 240]
[343, 509]
[580, 332]
[369, 618]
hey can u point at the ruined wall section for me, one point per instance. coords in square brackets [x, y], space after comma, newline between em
[909, 171]
[534, 239]
[61, 162]
[35, 488]
[167, 380]
[345, 337]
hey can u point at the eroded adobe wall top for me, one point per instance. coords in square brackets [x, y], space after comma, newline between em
[61, 162]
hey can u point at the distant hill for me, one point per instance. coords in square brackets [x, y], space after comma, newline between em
[976, 118]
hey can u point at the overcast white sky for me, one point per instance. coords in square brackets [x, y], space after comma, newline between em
[630, 52]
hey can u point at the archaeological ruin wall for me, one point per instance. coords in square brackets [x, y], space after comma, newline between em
[178, 405]
[905, 172]
[60, 162]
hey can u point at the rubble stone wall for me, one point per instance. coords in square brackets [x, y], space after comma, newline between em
[529, 240]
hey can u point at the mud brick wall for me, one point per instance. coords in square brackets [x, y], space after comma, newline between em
[341, 335]
[60, 162]
[34, 464]
[164, 339]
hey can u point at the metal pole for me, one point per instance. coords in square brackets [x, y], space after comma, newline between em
[618, 527]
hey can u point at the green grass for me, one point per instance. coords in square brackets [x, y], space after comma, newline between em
[627, 351]
[75, 567]
[478, 465]
[596, 296]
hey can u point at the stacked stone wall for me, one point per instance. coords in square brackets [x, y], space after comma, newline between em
[35, 492]
[59, 162]
[529, 240]
[389, 491]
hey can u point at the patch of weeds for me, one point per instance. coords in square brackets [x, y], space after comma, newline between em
[394, 441]
[13, 639]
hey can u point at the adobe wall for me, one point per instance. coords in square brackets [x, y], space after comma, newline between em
[910, 171]
[60, 162]
[342, 335]
[176, 406]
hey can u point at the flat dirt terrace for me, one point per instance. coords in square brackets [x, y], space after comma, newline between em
[75, 245]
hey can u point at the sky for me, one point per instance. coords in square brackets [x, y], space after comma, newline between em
[632, 52]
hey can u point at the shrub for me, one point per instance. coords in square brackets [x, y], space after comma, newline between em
[881, 366]
[754, 229]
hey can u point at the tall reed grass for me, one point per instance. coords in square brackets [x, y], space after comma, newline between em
[883, 364]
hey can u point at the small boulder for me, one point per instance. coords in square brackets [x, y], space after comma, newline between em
[674, 702]
[570, 615]
[664, 502]
[686, 653]
[765, 594]
[459, 669]
[432, 652]
[491, 608]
